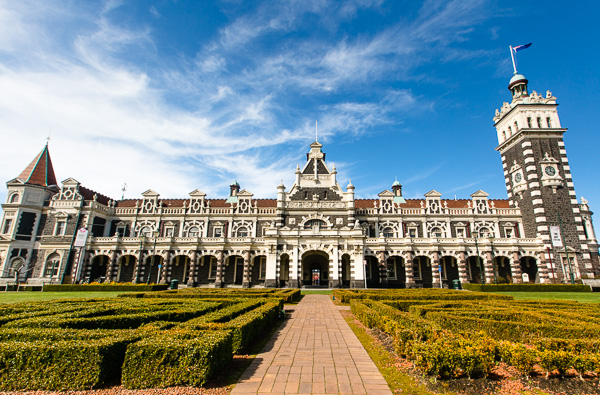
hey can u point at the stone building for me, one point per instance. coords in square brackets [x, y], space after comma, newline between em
[315, 233]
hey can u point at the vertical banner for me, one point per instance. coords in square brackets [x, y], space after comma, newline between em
[555, 236]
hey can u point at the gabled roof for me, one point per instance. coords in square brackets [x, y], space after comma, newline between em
[40, 170]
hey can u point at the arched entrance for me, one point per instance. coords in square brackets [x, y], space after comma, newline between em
[529, 267]
[449, 270]
[504, 272]
[372, 272]
[98, 268]
[346, 270]
[179, 268]
[126, 268]
[148, 272]
[396, 272]
[315, 269]
[422, 271]
[474, 265]
[284, 270]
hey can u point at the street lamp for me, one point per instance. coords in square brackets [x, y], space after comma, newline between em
[493, 260]
[142, 238]
[481, 273]
[155, 234]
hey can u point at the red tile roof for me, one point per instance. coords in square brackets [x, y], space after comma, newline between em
[40, 170]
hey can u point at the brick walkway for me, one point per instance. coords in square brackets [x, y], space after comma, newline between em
[314, 352]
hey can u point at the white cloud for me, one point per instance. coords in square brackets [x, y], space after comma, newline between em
[119, 113]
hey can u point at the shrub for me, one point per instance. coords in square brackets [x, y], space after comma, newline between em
[109, 287]
[169, 360]
[59, 365]
[527, 287]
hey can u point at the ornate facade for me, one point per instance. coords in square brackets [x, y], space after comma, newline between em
[315, 233]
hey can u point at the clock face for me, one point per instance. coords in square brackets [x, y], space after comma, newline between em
[550, 171]
[518, 177]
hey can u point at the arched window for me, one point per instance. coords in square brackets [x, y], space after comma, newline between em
[509, 131]
[529, 122]
[549, 122]
[314, 224]
[145, 231]
[242, 231]
[388, 232]
[14, 198]
[52, 265]
[16, 266]
[539, 122]
[503, 135]
[516, 126]
[194, 231]
[436, 232]
[484, 232]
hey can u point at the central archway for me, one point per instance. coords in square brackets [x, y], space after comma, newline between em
[315, 269]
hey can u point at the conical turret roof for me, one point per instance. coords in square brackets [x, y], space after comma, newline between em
[40, 170]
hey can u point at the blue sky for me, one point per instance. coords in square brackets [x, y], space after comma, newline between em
[179, 95]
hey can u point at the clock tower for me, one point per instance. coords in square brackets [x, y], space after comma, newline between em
[539, 182]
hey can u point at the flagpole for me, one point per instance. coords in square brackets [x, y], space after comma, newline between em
[512, 56]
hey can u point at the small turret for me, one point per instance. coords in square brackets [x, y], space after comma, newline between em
[518, 86]
[397, 188]
[234, 189]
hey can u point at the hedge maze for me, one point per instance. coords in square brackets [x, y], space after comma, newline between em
[453, 334]
[142, 340]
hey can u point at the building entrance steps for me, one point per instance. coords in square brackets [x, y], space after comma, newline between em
[314, 352]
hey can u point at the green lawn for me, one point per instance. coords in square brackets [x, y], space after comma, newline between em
[583, 297]
[15, 297]
[316, 291]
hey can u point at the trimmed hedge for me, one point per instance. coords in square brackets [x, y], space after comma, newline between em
[527, 287]
[454, 338]
[60, 365]
[103, 287]
[170, 360]
[345, 295]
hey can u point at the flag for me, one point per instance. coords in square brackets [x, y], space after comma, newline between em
[521, 47]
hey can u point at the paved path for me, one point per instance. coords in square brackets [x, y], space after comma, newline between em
[314, 352]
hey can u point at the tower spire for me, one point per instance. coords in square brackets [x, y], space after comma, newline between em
[40, 170]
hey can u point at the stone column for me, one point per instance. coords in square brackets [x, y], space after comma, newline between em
[164, 269]
[515, 268]
[408, 269]
[435, 270]
[294, 262]
[543, 269]
[462, 268]
[110, 268]
[136, 268]
[192, 269]
[246, 280]
[382, 269]
[219, 277]
[489, 268]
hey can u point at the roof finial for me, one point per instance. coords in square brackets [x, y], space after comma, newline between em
[48, 138]
[316, 132]
[123, 189]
